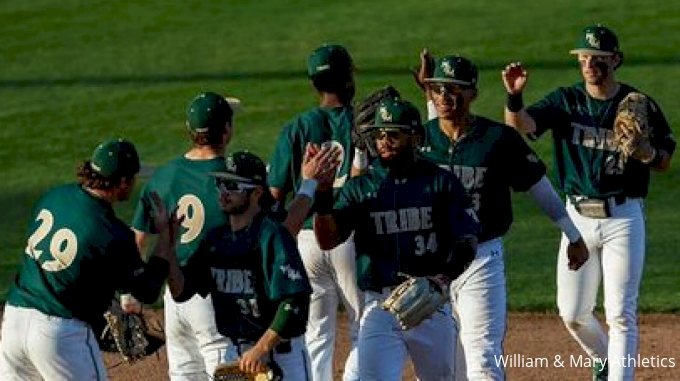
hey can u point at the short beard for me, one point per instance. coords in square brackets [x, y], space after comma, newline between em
[240, 209]
[401, 160]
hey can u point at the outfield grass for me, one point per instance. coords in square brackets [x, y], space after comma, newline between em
[76, 72]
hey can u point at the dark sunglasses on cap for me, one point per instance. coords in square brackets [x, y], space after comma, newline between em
[389, 134]
[232, 186]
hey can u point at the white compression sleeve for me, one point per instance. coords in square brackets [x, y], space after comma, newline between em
[546, 197]
[431, 110]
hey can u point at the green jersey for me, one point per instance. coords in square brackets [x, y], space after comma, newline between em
[184, 184]
[77, 256]
[248, 273]
[586, 159]
[404, 224]
[490, 160]
[318, 125]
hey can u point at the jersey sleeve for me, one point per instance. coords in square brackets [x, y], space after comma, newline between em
[525, 168]
[285, 274]
[545, 113]
[143, 280]
[662, 136]
[285, 160]
[143, 216]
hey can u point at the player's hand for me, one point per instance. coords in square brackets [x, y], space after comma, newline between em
[514, 78]
[130, 304]
[577, 254]
[425, 70]
[167, 223]
[251, 361]
[321, 164]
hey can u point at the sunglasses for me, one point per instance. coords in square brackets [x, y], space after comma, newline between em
[448, 88]
[392, 135]
[231, 186]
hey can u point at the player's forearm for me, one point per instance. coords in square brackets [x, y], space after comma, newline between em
[147, 284]
[546, 197]
[142, 241]
[299, 208]
[165, 249]
[327, 231]
[291, 316]
[517, 117]
[463, 252]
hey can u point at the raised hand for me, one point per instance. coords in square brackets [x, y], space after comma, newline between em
[320, 163]
[166, 223]
[425, 70]
[514, 78]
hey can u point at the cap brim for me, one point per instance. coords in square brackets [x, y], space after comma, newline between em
[388, 127]
[592, 52]
[235, 104]
[232, 176]
[448, 80]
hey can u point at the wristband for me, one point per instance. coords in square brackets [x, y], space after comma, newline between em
[324, 202]
[360, 159]
[515, 102]
[569, 229]
[308, 188]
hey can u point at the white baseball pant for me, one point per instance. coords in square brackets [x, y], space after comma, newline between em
[478, 298]
[617, 254]
[333, 277]
[36, 346]
[194, 345]
[383, 347]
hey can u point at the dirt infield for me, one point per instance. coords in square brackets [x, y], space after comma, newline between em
[530, 337]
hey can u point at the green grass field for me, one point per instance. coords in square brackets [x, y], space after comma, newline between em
[74, 72]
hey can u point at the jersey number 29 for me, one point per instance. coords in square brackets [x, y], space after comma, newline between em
[63, 243]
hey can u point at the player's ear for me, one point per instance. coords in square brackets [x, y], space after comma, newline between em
[618, 60]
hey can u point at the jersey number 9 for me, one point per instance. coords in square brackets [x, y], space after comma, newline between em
[63, 243]
[191, 208]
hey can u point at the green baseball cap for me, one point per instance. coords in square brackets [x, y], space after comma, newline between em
[115, 157]
[597, 40]
[208, 111]
[455, 69]
[329, 58]
[396, 114]
[244, 167]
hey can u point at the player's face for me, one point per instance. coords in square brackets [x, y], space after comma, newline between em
[234, 197]
[596, 69]
[392, 145]
[452, 99]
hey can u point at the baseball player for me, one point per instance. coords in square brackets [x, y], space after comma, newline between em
[331, 273]
[192, 340]
[252, 268]
[408, 217]
[604, 194]
[194, 345]
[77, 256]
[491, 160]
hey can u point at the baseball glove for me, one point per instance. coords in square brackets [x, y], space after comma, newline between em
[364, 113]
[131, 335]
[230, 371]
[631, 127]
[415, 300]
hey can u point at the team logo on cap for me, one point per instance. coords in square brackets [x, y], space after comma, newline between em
[385, 114]
[448, 69]
[593, 40]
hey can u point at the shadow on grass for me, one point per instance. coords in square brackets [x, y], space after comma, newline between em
[285, 74]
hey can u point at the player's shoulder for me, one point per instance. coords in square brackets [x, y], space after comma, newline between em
[305, 119]
[627, 89]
